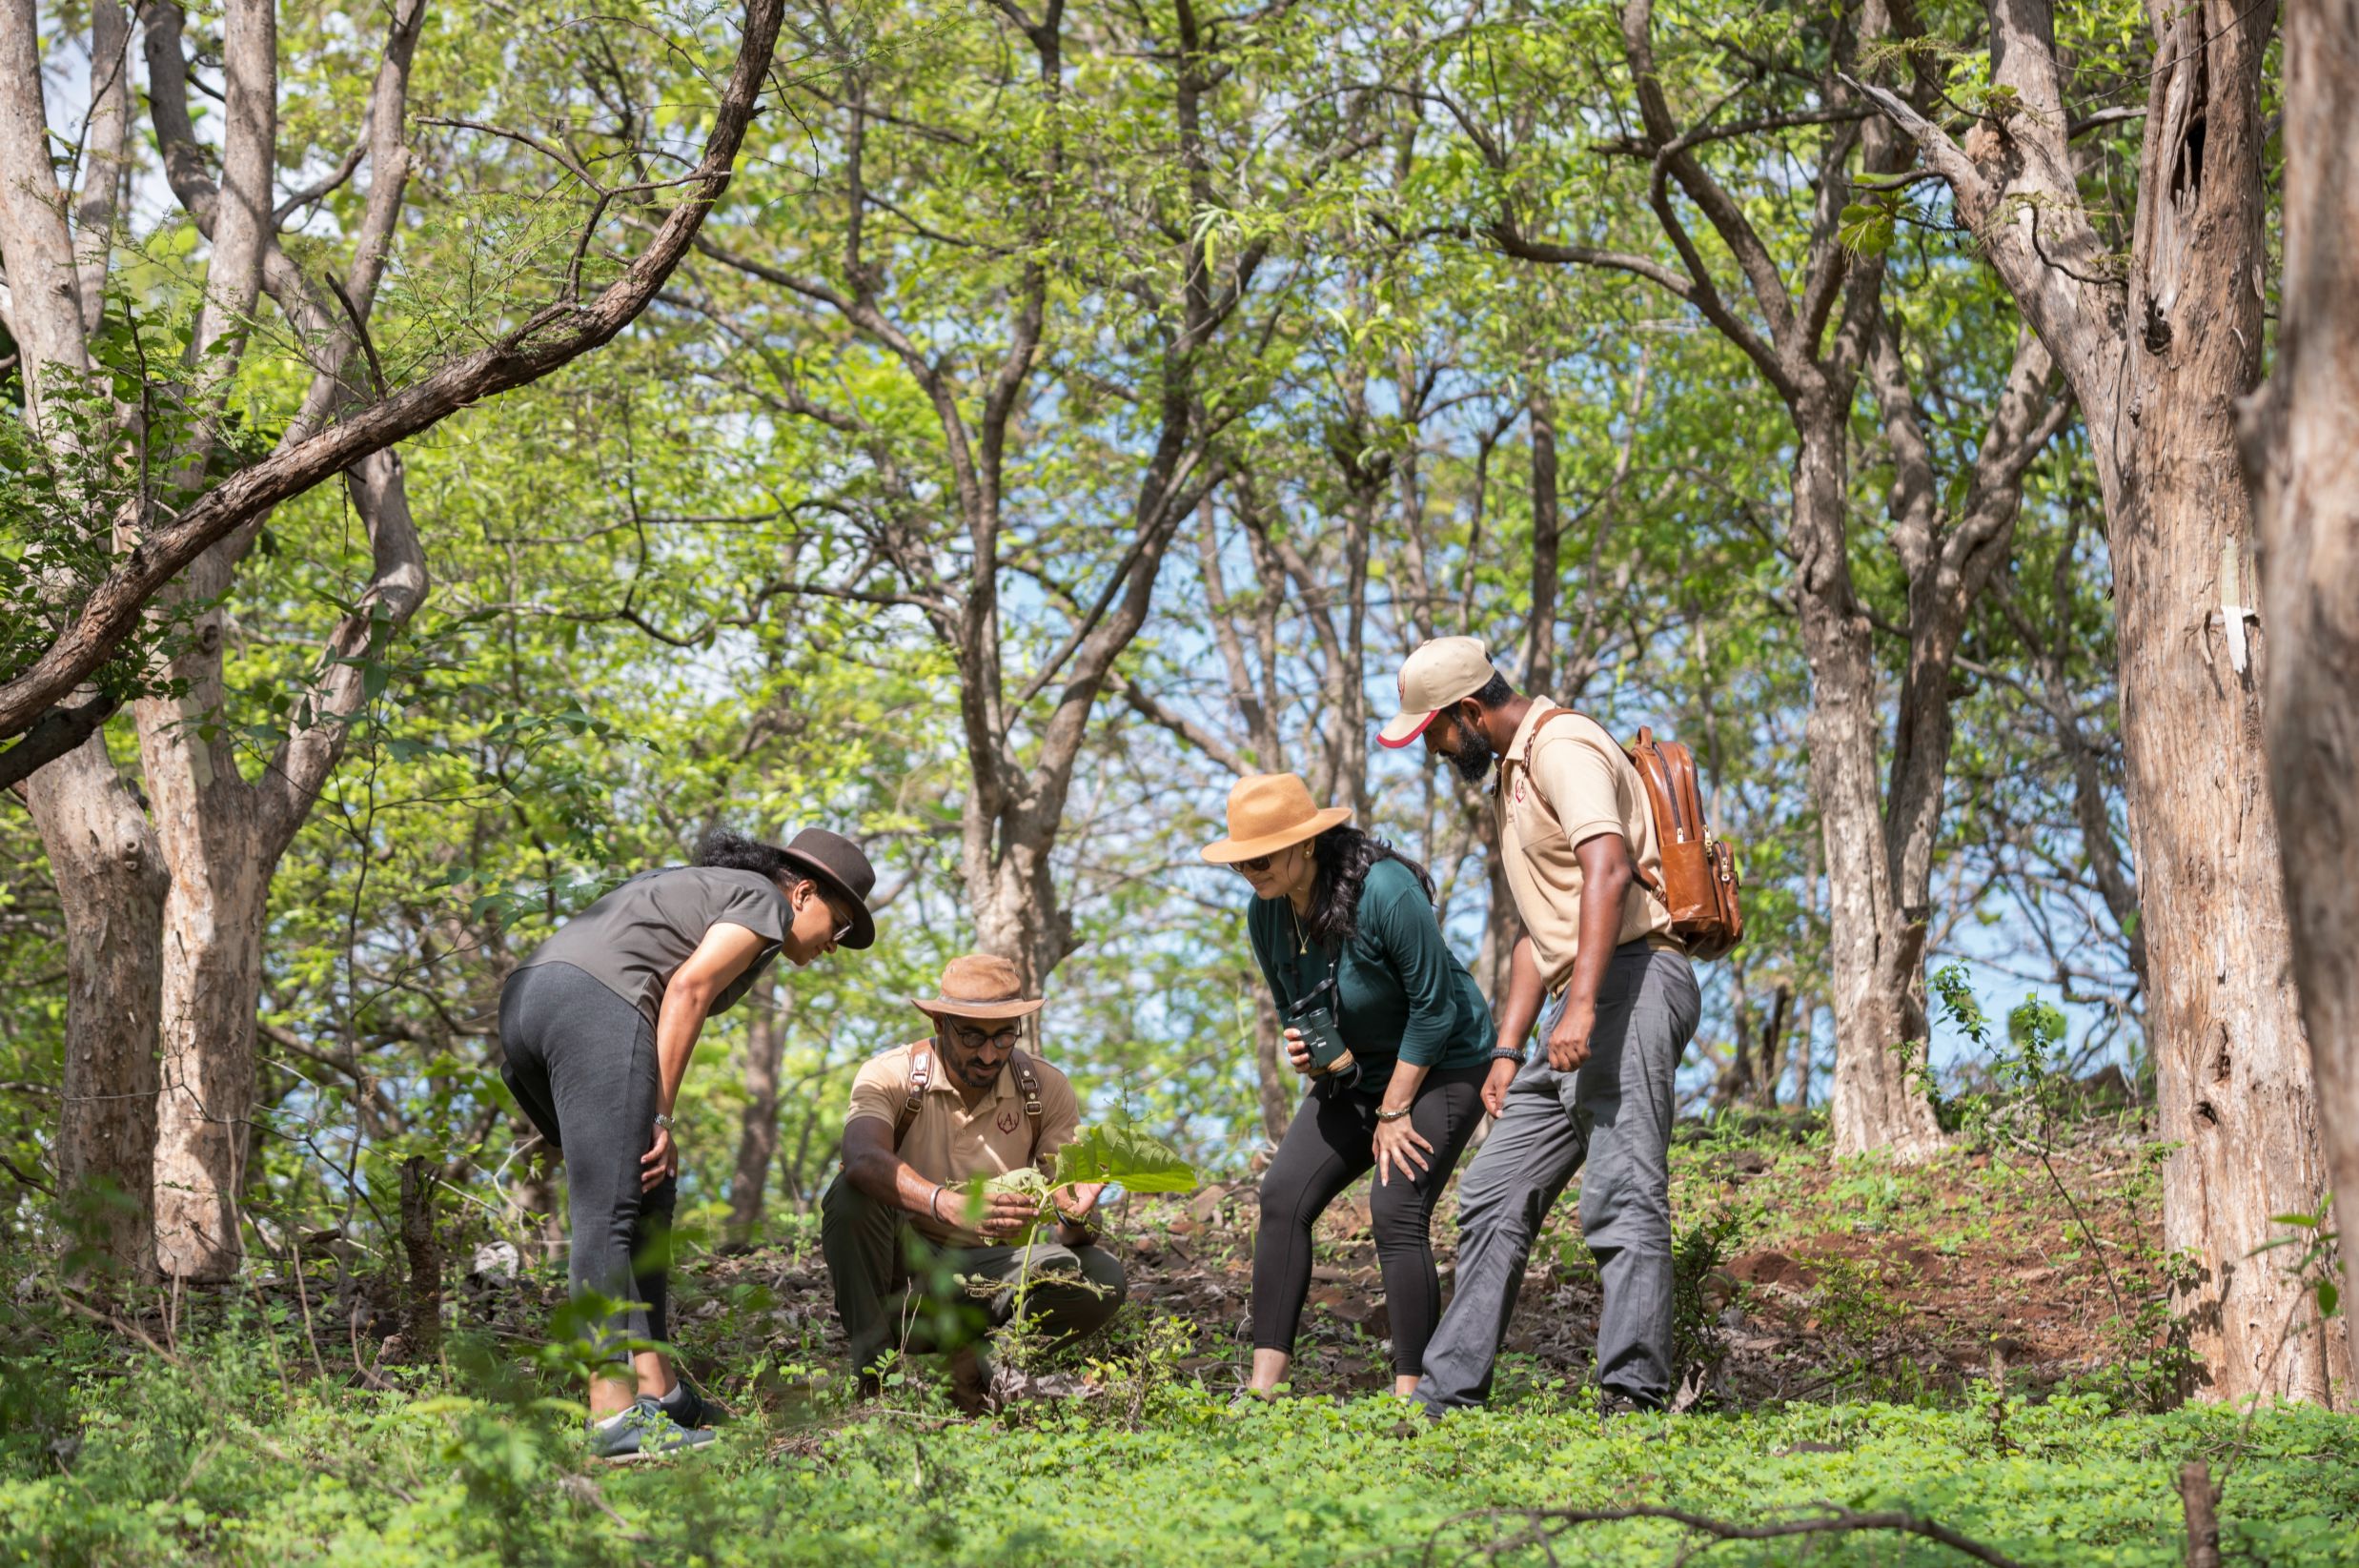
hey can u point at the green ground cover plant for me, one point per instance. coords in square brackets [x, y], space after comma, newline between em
[220, 1458]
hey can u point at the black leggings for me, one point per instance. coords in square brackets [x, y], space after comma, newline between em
[582, 1062]
[1330, 1146]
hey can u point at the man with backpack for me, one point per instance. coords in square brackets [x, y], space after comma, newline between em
[927, 1120]
[1584, 860]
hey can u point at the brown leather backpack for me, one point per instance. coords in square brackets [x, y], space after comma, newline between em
[1699, 872]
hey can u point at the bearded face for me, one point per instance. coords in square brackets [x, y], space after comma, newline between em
[1467, 747]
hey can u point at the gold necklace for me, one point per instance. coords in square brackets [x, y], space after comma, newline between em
[1302, 943]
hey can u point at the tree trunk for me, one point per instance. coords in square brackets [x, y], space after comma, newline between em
[1277, 1075]
[1805, 1028]
[421, 1297]
[111, 885]
[1014, 899]
[1495, 960]
[2235, 1092]
[1732, 1081]
[757, 1141]
[222, 838]
[1873, 952]
[212, 986]
[2299, 445]
[2157, 367]
[1539, 656]
[1775, 1037]
[207, 824]
[533, 1199]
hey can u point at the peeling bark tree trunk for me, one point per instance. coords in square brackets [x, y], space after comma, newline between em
[111, 883]
[2157, 361]
[2300, 447]
[757, 1138]
[206, 824]
[1874, 952]
[2234, 1090]
[222, 838]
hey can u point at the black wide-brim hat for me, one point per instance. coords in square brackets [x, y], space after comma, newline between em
[836, 863]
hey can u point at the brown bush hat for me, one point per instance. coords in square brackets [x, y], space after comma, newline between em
[1269, 811]
[978, 986]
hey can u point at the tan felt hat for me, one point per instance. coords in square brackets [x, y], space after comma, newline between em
[978, 986]
[1446, 670]
[1266, 813]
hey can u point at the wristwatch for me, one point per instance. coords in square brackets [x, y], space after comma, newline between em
[664, 1121]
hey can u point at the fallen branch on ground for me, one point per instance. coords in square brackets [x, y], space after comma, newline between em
[1540, 1526]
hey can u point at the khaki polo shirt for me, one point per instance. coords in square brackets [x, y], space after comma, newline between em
[1565, 783]
[949, 1143]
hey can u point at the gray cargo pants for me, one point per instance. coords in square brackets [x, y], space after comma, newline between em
[871, 1249]
[1615, 1113]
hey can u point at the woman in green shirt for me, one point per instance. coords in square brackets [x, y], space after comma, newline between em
[1340, 921]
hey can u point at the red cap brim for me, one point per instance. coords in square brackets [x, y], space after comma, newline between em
[1384, 736]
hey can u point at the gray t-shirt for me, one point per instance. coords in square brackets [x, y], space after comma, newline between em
[632, 940]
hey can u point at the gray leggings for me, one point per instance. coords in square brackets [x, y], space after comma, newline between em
[582, 1062]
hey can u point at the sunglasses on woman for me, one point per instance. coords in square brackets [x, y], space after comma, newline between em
[844, 924]
[1257, 865]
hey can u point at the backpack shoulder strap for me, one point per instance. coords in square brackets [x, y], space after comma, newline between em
[920, 1078]
[1028, 1079]
[1531, 736]
[1646, 738]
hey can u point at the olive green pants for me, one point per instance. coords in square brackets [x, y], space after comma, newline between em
[874, 1255]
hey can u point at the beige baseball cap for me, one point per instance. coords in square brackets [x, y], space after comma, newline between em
[1447, 670]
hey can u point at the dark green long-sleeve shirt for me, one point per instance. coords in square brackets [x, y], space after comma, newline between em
[1401, 995]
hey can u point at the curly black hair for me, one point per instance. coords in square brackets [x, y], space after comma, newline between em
[1344, 856]
[735, 852]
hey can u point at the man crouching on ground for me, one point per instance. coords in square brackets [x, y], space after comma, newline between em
[926, 1119]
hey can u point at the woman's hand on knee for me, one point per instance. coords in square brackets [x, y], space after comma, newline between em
[1397, 1146]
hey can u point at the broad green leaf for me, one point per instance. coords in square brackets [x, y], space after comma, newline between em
[1118, 1152]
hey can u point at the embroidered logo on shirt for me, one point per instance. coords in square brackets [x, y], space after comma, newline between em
[1008, 1119]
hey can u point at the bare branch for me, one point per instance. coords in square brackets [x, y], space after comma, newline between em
[56, 733]
[550, 338]
[1180, 725]
[1542, 1524]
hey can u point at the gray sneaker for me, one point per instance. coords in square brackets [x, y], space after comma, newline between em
[643, 1432]
[688, 1405]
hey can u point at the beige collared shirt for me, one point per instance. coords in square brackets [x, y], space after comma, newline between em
[1565, 783]
[949, 1142]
